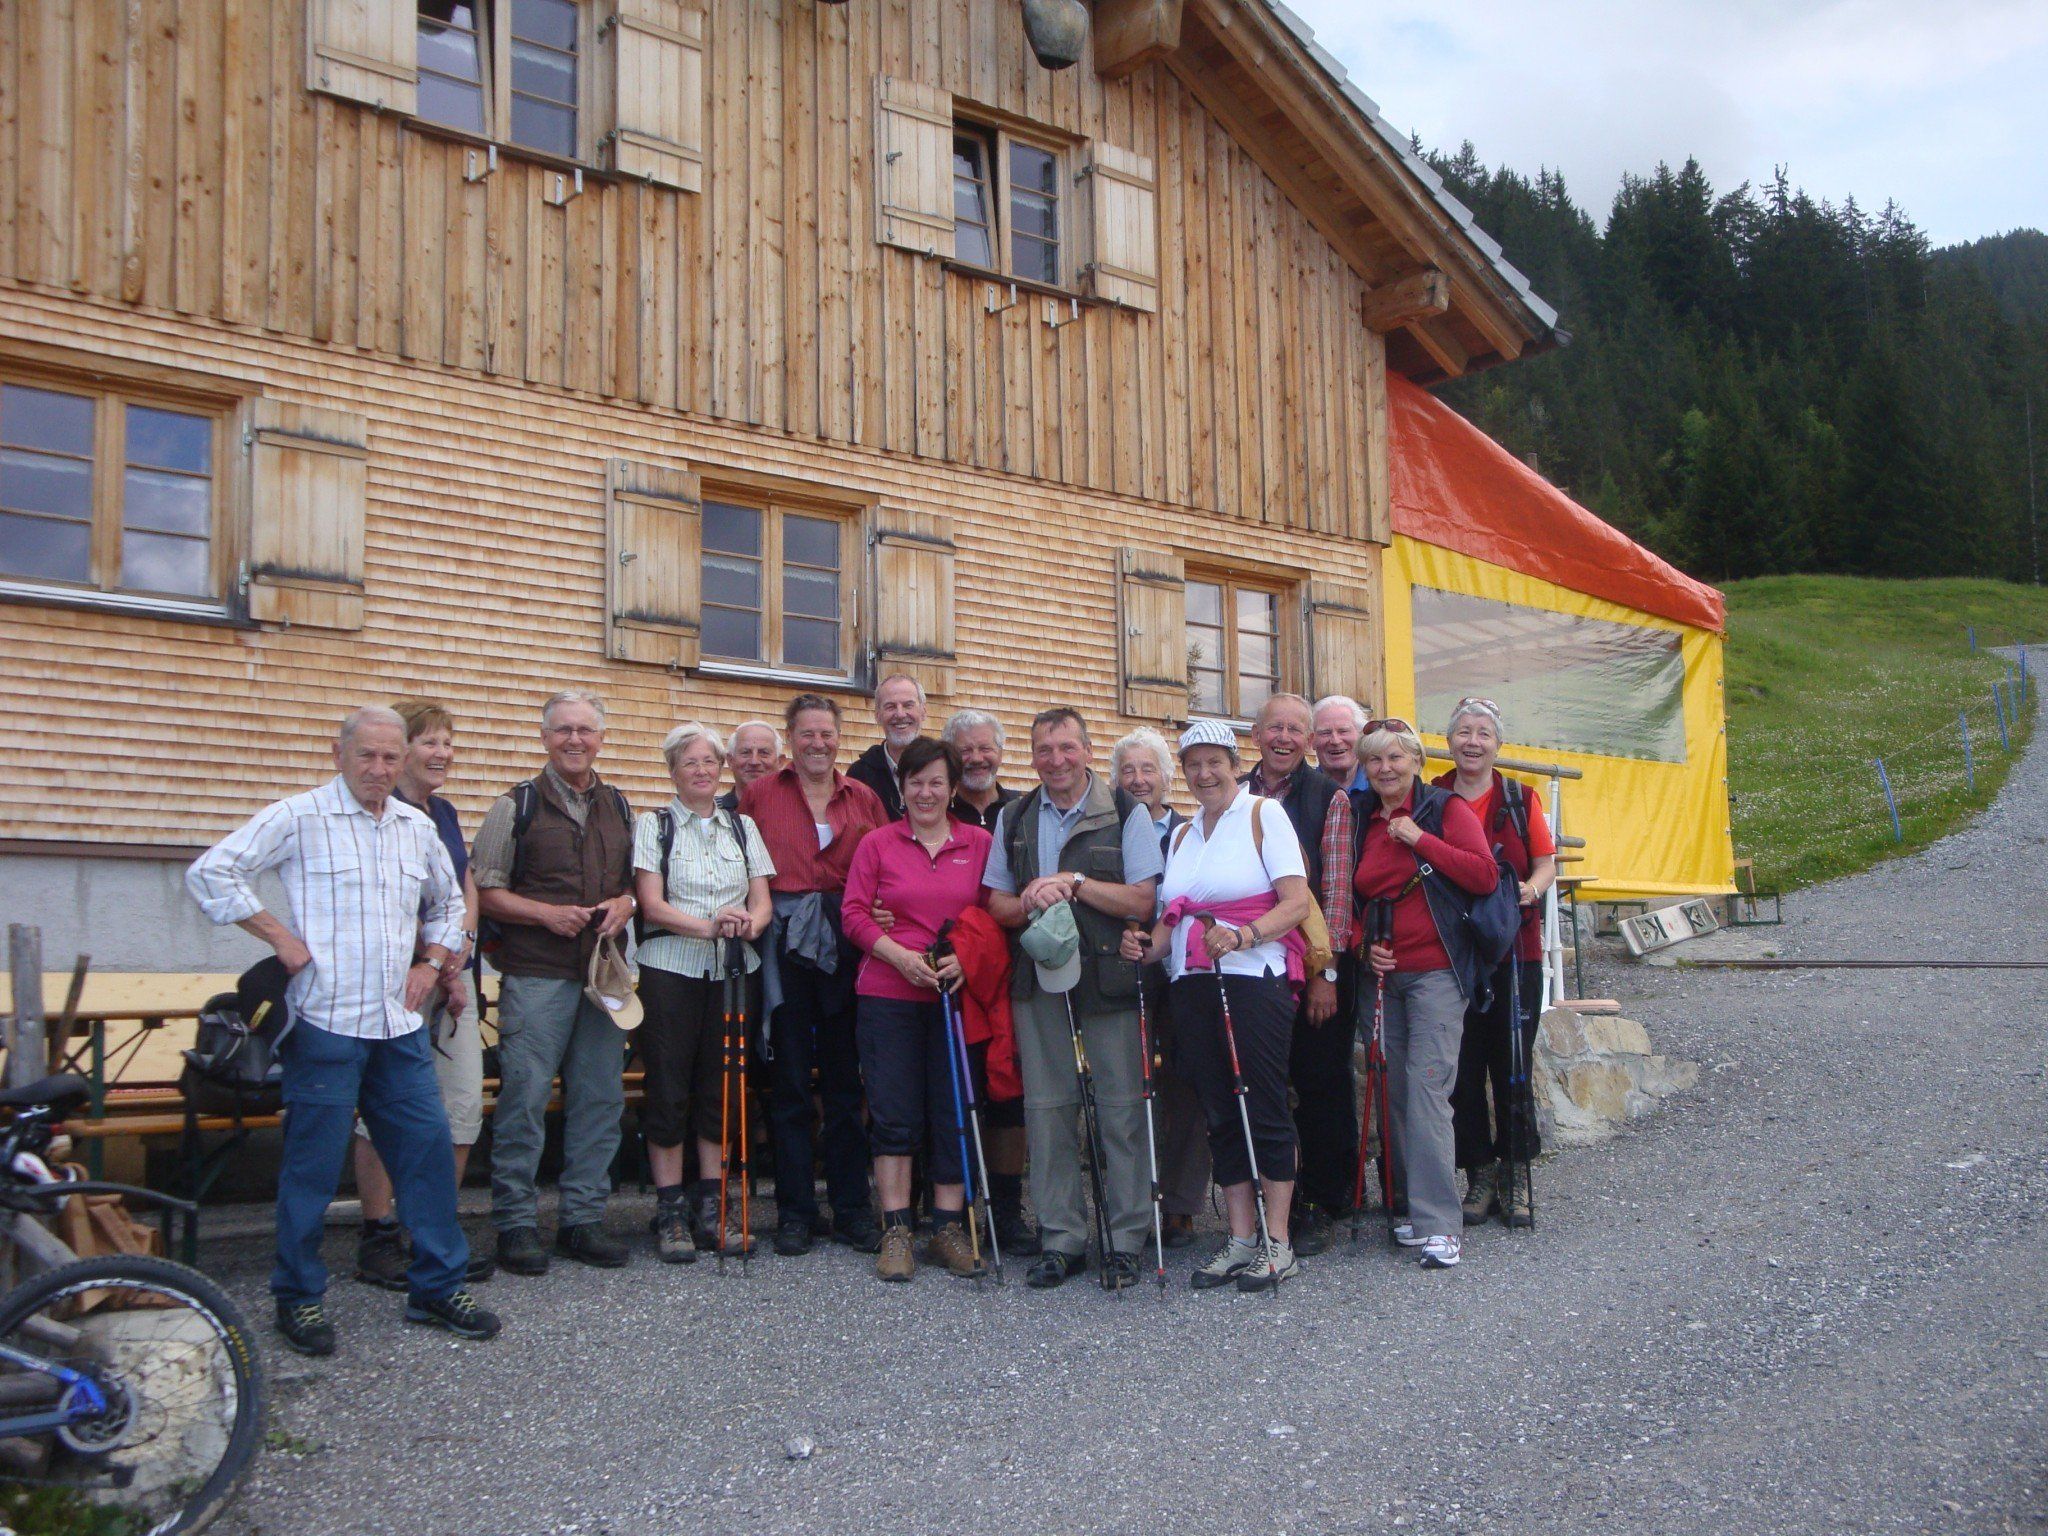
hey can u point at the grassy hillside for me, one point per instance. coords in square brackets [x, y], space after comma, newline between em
[1828, 673]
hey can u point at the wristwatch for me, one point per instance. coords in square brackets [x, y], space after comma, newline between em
[1079, 881]
[1329, 974]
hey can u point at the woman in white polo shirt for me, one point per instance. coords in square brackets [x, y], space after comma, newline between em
[1232, 901]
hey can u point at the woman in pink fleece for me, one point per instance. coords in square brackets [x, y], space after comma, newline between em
[924, 871]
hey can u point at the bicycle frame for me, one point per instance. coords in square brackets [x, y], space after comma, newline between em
[82, 1397]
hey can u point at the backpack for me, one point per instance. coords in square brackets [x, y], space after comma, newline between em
[525, 806]
[1491, 921]
[233, 1067]
[665, 842]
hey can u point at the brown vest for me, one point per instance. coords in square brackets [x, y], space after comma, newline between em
[563, 864]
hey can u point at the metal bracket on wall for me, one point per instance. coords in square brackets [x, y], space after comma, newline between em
[566, 189]
[470, 170]
[1055, 320]
[989, 303]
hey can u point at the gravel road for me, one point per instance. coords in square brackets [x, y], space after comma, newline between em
[1806, 1297]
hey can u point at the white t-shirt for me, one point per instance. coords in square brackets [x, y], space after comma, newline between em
[1213, 871]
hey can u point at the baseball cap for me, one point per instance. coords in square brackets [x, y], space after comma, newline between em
[1053, 941]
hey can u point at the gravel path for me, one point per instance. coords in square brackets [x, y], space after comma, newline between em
[1806, 1297]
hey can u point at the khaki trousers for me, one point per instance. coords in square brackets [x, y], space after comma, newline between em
[1052, 1123]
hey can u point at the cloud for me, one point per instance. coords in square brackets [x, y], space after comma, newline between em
[1940, 107]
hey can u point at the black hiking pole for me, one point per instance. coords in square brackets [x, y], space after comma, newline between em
[725, 1086]
[1379, 929]
[1521, 1115]
[1151, 1134]
[738, 974]
[1244, 1114]
[1091, 1124]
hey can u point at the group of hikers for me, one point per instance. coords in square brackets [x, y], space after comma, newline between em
[937, 983]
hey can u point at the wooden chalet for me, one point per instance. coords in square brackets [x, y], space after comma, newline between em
[693, 351]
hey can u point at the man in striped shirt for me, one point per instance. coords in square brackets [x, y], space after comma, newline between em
[359, 868]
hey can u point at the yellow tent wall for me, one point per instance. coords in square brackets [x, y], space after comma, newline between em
[1652, 829]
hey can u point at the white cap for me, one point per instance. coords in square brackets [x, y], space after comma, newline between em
[1209, 733]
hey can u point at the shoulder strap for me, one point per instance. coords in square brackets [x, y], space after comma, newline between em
[1124, 801]
[1516, 801]
[525, 806]
[1258, 831]
[1180, 834]
[666, 838]
[619, 799]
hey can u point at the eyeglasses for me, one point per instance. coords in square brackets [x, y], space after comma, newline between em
[591, 731]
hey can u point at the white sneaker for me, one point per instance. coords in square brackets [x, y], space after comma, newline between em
[1225, 1264]
[1440, 1253]
[1276, 1262]
[1404, 1234]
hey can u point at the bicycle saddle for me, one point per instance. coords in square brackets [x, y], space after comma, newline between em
[60, 1092]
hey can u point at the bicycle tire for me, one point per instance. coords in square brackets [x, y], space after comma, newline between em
[202, 1296]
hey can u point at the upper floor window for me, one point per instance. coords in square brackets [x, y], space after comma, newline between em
[777, 585]
[504, 69]
[1006, 204]
[1236, 659]
[103, 490]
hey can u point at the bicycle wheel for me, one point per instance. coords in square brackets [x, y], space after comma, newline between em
[177, 1365]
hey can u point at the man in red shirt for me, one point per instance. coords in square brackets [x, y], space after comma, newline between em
[812, 817]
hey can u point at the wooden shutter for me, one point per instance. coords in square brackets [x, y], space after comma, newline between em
[1120, 203]
[1152, 633]
[366, 51]
[913, 626]
[651, 60]
[1343, 637]
[654, 555]
[913, 166]
[308, 488]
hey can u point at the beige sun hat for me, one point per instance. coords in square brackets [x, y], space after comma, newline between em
[611, 984]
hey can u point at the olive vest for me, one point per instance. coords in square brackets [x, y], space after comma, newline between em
[558, 862]
[1095, 848]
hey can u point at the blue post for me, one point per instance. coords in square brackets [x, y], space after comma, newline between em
[1998, 703]
[2023, 673]
[1885, 782]
[1969, 763]
[1972, 631]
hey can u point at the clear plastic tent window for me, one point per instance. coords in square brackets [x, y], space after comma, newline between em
[1562, 681]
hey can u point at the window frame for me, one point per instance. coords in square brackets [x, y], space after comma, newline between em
[997, 135]
[112, 391]
[1287, 641]
[494, 33]
[774, 503]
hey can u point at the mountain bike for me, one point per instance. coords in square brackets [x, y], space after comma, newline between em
[131, 1394]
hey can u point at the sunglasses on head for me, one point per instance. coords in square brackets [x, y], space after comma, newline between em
[1391, 723]
[1475, 702]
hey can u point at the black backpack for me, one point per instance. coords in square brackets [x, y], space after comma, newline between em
[1491, 921]
[233, 1067]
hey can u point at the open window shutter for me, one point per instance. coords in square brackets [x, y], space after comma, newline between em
[307, 491]
[1344, 641]
[1121, 201]
[1152, 632]
[913, 628]
[654, 549]
[366, 51]
[652, 58]
[913, 166]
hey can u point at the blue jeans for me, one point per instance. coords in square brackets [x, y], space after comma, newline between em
[327, 1079]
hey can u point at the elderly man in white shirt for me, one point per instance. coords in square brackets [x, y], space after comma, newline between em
[360, 868]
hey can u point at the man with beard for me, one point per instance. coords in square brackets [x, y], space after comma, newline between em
[977, 736]
[899, 711]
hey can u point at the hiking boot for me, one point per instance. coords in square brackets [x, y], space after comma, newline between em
[792, 1235]
[457, 1312]
[1180, 1231]
[381, 1257]
[520, 1252]
[481, 1267]
[950, 1248]
[859, 1231]
[1275, 1263]
[589, 1243]
[1313, 1230]
[1518, 1205]
[1440, 1252]
[1482, 1195]
[733, 1241]
[1121, 1271]
[673, 1239]
[1016, 1234]
[1054, 1268]
[305, 1327]
[894, 1258]
[1231, 1259]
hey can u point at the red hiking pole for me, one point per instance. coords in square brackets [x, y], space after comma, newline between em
[1379, 929]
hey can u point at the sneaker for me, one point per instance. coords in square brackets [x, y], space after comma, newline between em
[1313, 1230]
[895, 1258]
[457, 1312]
[481, 1267]
[1121, 1271]
[860, 1232]
[673, 1239]
[1053, 1268]
[1482, 1196]
[520, 1252]
[1276, 1262]
[381, 1257]
[792, 1235]
[1180, 1231]
[1230, 1260]
[1016, 1234]
[589, 1243]
[950, 1248]
[1440, 1252]
[305, 1327]
[1519, 1208]
[1404, 1234]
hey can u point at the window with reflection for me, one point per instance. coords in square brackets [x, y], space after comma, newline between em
[1237, 656]
[103, 491]
[1006, 204]
[774, 589]
[504, 69]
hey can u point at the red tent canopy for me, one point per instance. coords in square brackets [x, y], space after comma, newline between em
[1456, 487]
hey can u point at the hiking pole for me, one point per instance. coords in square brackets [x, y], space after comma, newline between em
[1151, 1134]
[1521, 1102]
[1379, 929]
[724, 1119]
[1244, 1113]
[956, 1069]
[736, 975]
[1091, 1123]
[958, 1025]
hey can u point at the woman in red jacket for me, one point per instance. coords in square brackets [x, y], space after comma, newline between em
[1411, 832]
[924, 871]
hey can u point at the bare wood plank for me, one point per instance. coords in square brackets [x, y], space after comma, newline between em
[43, 217]
[463, 346]
[799, 133]
[197, 282]
[1172, 327]
[765, 228]
[1193, 240]
[1392, 305]
[426, 309]
[583, 317]
[10, 123]
[868, 316]
[98, 52]
[293, 222]
[836, 195]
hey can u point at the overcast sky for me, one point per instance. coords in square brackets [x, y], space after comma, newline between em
[1940, 104]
